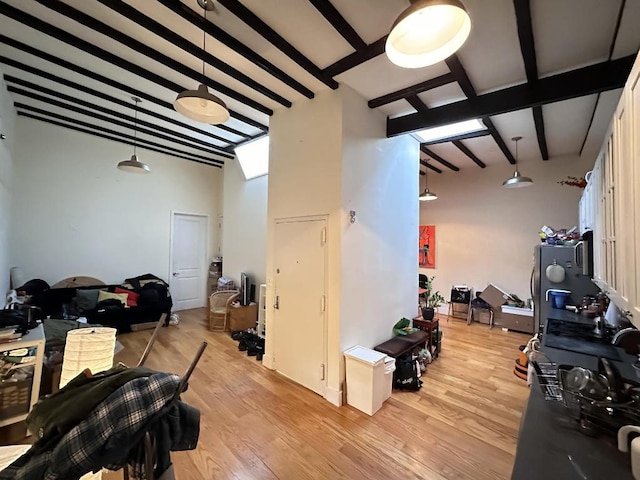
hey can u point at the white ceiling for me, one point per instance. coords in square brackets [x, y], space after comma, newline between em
[568, 34]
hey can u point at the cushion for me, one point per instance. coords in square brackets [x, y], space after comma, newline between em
[85, 300]
[132, 297]
[102, 295]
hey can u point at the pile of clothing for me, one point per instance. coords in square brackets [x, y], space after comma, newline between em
[100, 421]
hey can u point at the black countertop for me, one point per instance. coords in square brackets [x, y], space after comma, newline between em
[550, 446]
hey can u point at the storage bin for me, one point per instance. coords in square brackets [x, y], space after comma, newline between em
[369, 378]
[15, 398]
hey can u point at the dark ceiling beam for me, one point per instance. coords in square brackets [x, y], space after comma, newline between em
[269, 34]
[251, 139]
[179, 41]
[143, 49]
[462, 136]
[412, 90]
[612, 46]
[528, 49]
[464, 149]
[47, 91]
[113, 121]
[356, 58]
[133, 138]
[104, 96]
[564, 86]
[59, 34]
[493, 131]
[416, 103]
[180, 9]
[108, 137]
[108, 81]
[422, 173]
[438, 158]
[460, 74]
[337, 21]
[429, 166]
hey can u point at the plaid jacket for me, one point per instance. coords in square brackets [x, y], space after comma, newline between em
[105, 438]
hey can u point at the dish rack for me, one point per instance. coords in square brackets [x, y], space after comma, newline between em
[604, 414]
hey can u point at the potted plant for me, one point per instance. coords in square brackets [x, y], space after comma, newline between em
[431, 300]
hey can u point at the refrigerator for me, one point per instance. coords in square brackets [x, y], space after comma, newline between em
[577, 278]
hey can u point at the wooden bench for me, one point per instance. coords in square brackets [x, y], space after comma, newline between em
[402, 344]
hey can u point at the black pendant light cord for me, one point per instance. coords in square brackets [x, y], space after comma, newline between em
[135, 127]
[204, 41]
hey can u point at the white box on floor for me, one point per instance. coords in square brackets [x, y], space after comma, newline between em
[369, 378]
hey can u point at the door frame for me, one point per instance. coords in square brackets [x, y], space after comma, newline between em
[206, 253]
[325, 287]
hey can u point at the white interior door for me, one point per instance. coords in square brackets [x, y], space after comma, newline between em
[300, 308]
[188, 261]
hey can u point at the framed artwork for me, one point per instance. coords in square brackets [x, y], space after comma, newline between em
[427, 246]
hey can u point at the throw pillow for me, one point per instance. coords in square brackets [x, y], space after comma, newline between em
[102, 295]
[132, 297]
[85, 300]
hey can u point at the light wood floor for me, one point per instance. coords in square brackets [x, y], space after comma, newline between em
[462, 424]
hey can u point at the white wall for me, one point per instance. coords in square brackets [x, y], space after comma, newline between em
[77, 214]
[329, 155]
[486, 233]
[244, 233]
[7, 147]
[379, 258]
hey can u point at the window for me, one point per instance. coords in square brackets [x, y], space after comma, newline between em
[451, 130]
[254, 158]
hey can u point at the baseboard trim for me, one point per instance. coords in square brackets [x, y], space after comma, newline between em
[333, 396]
[267, 361]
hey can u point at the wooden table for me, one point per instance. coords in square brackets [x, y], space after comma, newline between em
[430, 326]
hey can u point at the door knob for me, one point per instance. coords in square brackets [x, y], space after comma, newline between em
[175, 274]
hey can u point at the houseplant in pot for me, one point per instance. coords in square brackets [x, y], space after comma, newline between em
[430, 300]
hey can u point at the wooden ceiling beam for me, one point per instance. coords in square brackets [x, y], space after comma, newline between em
[339, 23]
[269, 34]
[429, 166]
[47, 91]
[143, 49]
[438, 158]
[113, 121]
[61, 35]
[493, 131]
[90, 91]
[356, 58]
[108, 81]
[412, 90]
[132, 138]
[528, 49]
[564, 86]
[416, 103]
[115, 139]
[464, 149]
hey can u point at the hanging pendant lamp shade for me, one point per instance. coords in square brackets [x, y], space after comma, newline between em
[428, 32]
[517, 181]
[427, 196]
[201, 105]
[133, 165]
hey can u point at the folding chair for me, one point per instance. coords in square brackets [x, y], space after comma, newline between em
[460, 295]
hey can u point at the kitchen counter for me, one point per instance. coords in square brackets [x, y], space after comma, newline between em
[549, 444]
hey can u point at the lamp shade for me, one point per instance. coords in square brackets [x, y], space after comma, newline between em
[90, 348]
[133, 165]
[202, 106]
[427, 32]
[427, 196]
[517, 181]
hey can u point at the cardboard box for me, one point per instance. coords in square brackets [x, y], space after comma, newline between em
[494, 296]
[241, 318]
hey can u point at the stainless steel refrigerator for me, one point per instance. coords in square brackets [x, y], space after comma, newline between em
[577, 279]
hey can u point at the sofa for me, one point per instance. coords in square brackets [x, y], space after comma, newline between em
[147, 297]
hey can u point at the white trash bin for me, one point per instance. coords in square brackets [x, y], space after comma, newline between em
[369, 378]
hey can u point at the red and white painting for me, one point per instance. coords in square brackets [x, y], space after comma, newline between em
[427, 246]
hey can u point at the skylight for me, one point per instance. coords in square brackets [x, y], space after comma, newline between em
[450, 130]
[254, 158]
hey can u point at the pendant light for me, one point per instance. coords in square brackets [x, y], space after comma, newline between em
[427, 196]
[427, 32]
[133, 165]
[201, 105]
[517, 181]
